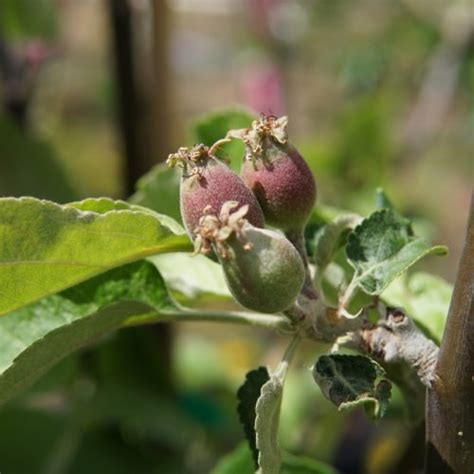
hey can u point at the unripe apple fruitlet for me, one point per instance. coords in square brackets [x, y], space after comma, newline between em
[263, 270]
[277, 174]
[208, 183]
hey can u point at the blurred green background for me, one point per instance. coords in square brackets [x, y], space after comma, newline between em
[96, 92]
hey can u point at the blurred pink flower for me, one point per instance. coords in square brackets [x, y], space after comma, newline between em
[261, 87]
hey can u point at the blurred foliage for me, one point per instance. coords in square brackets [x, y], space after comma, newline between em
[159, 188]
[29, 167]
[350, 83]
[426, 298]
[213, 126]
[18, 20]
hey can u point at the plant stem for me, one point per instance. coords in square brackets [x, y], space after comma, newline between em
[450, 404]
[291, 349]
[269, 321]
[346, 297]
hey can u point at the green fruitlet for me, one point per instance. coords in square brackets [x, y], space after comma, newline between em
[277, 174]
[263, 270]
[207, 183]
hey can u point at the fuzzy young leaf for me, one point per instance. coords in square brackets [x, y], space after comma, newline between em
[34, 338]
[248, 394]
[267, 421]
[382, 247]
[381, 200]
[259, 411]
[46, 247]
[351, 381]
[331, 238]
[211, 127]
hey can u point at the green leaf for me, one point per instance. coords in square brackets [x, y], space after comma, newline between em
[382, 247]
[17, 21]
[100, 205]
[320, 217]
[259, 412]
[350, 381]
[46, 247]
[215, 125]
[267, 421]
[239, 461]
[302, 465]
[331, 238]
[159, 190]
[34, 338]
[381, 200]
[426, 299]
[193, 276]
[248, 394]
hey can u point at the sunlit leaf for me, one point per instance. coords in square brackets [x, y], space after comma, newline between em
[192, 275]
[382, 247]
[34, 338]
[45, 247]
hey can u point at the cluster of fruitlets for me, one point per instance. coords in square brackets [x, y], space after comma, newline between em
[225, 214]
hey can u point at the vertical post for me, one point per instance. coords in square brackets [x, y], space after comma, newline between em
[161, 84]
[450, 402]
[145, 141]
[127, 92]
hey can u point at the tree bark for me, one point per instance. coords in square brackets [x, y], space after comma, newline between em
[450, 402]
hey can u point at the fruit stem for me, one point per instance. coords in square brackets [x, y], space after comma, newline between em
[296, 237]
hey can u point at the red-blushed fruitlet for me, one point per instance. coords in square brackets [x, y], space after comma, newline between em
[207, 183]
[263, 270]
[277, 174]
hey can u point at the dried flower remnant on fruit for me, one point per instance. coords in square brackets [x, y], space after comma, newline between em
[267, 127]
[277, 174]
[216, 230]
[207, 183]
[191, 160]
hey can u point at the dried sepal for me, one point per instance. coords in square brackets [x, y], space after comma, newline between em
[267, 127]
[214, 231]
[185, 155]
[191, 160]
